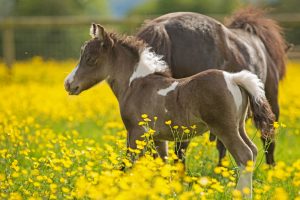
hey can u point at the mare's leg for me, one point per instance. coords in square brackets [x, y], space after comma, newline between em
[180, 149]
[220, 146]
[222, 151]
[240, 151]
[271, 88]
[162, 148]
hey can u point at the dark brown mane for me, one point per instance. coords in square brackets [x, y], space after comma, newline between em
[266, 29]
[132, 43]
[135, 45]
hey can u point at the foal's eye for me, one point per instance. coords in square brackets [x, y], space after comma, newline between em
[90, 61]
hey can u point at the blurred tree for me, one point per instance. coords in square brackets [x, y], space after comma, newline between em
[51, 42]
[59, 7]
[158, 7]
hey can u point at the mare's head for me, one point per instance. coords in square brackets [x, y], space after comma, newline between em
[94, 63]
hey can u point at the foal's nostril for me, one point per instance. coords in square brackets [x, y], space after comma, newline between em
[67, 85]
[76, 89]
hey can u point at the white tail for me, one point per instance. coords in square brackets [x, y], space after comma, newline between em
[249, 81]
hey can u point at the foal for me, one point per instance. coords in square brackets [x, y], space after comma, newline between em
[212, 100]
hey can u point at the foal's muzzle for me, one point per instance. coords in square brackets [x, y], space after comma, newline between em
[72, 89]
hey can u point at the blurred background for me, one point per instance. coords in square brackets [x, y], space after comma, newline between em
[55, 29]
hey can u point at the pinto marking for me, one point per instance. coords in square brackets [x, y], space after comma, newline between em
[245, 180]
[247, 80]
[164, 92]
[149, 63]
[234, 90]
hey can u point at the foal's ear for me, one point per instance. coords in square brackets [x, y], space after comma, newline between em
[93, 29]
[100, 32]
[97, 31]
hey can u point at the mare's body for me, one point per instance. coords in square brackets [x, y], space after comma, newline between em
[191, 43]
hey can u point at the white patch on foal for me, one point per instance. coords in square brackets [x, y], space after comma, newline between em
[245, 180]
[248, 81]
[164, 92]
[149, 63]
[70, 77]
[234, 89]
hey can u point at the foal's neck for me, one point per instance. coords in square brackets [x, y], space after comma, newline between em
[128, 67]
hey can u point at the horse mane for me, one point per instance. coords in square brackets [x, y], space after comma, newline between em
[254, 20]
[137, 46]
[132, 43]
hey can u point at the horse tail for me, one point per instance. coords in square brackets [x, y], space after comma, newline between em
[254, 21]
[156, 36]
[263, 116]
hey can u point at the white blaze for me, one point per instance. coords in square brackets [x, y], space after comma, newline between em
[149, 63]
[70, 77]
[164, 92]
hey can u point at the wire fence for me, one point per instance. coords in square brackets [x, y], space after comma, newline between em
[61, 37]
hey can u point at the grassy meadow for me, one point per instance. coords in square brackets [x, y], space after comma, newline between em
[55, 146]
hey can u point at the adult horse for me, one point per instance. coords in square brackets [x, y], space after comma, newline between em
[191, 43]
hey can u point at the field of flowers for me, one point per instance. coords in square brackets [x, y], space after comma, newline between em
[55, 146]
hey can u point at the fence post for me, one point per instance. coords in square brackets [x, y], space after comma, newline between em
[8, 47]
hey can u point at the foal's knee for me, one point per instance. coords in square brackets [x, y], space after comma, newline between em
[245, 154]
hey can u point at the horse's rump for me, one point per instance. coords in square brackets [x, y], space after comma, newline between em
[254, 21]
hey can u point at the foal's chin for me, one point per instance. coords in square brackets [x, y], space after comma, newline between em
[74, 93]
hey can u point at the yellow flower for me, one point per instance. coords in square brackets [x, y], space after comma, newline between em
[280, 194]
[36, 184]
[276, 125]
[246, 191]
[65, 190]
[187, 131]
[193, 127]
[142, 123]
[144, 116]
[168, 122]
[147, 120]
[218, 170]
[237, 194]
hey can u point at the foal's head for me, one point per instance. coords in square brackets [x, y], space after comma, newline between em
[94, 63]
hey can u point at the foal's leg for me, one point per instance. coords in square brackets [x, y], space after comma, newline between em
[248, 141]
[132, 136]
[162, 148]
[240, 151]
[180, 149]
